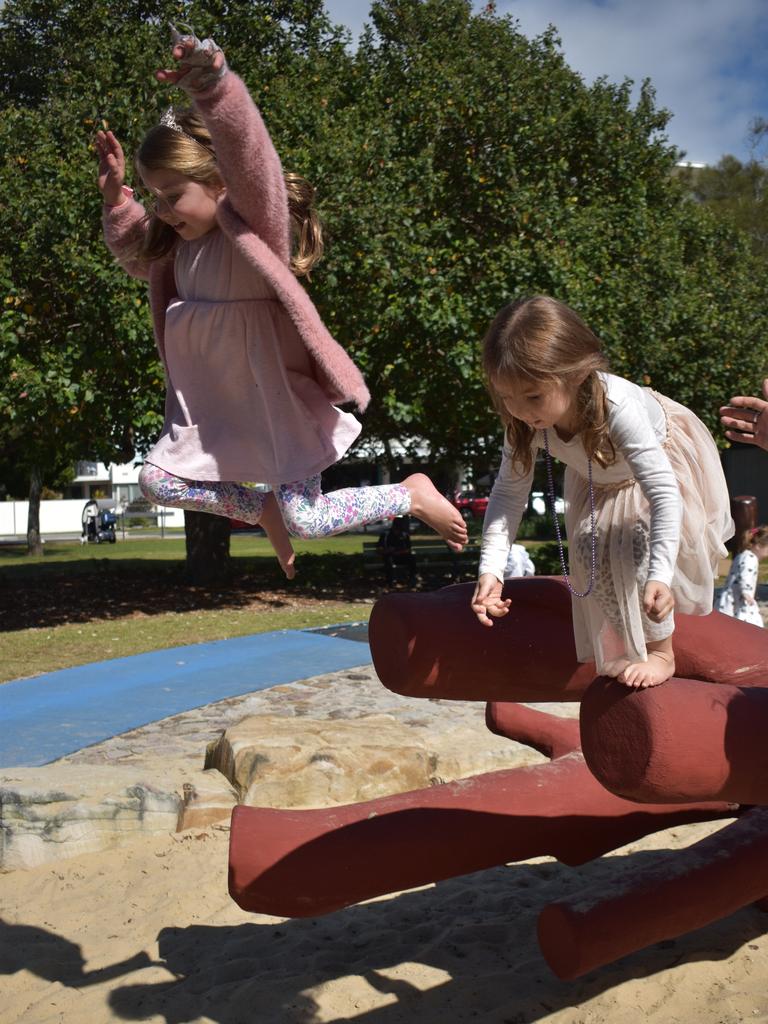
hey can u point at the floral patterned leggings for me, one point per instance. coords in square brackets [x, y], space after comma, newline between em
[307, 512]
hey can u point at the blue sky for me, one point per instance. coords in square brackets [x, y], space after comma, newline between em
[708, 59]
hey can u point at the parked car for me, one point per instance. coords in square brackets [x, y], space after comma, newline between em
[471, 505]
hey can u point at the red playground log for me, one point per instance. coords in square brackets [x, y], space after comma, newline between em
[301, 863]
[551, 735]
[431, 645]
[684, 890]
[685, 740]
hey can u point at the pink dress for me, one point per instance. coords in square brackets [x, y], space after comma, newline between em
[253, 374]
[242, 402]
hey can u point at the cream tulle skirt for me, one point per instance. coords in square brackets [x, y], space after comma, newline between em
[610, 622]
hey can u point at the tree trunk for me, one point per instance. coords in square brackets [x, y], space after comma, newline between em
[34, 541]
[208, 559]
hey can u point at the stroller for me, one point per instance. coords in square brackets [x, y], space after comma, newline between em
[98, 522]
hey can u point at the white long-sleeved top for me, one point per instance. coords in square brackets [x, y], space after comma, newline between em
[637, 427]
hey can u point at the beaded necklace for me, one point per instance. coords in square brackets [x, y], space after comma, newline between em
[553, 513]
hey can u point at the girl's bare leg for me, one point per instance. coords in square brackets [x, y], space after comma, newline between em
[659, 667]
[429, 505]
[279, 538]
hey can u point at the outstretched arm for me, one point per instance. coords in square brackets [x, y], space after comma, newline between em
[124, 219]
[245, 156]
[505, 509]
[633, 436]
[111, 175]
[508, 501]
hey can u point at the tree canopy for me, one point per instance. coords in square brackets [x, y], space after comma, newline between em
[472, 166]
[736, 191]
[458, 165]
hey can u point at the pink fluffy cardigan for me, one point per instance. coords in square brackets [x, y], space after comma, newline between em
[254, 215]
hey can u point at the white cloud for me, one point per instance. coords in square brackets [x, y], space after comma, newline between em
[707, 59]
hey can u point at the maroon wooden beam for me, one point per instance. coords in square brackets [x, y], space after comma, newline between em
[683, 890]
[551, 735]
[431, 645]
[685, 740]
[301, 863]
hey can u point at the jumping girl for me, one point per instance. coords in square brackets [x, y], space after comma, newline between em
[253, 378]
[647, 509]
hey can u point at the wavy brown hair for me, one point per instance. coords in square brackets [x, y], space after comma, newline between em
[190, 152]
[750, 539]
[541, 340]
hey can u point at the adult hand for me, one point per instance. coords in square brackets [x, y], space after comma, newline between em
[201, 63]
[111, 168]
[744, 420]
[658, 600]
[487, 603]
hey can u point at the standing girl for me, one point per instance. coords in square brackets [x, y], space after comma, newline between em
[737, 597]
[647, 509]
[253, 377]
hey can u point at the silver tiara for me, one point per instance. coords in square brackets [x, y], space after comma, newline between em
[168, 120]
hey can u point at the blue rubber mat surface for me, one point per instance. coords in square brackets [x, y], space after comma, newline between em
[48, 716]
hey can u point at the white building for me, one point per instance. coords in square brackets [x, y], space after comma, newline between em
[92, 480]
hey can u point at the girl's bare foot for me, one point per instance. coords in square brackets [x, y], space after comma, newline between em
[428, 504]
[615, 668]
[659, 667]
[287, 564]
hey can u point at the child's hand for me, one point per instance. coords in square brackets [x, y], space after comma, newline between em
[658, 601]
[201, 63]
[487, 603]
[111, 168]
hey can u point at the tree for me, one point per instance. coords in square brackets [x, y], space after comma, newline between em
[464, 165]
[736, 191]
[458, 164]
[79, 374]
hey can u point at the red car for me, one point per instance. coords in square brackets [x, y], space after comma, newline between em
[471, 505]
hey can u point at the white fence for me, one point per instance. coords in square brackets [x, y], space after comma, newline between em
[62, 517]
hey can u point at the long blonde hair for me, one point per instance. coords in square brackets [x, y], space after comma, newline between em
[541, 340]
[190, 152]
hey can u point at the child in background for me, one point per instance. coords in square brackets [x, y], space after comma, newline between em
[647, 508]
[253, 378]
[394, 545]
[518, 563]
[737, 597]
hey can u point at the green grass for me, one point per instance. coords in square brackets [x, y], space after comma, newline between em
[128, 578]
[29, 652]
[85, 557]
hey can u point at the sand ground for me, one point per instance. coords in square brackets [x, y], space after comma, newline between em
[147, 932]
